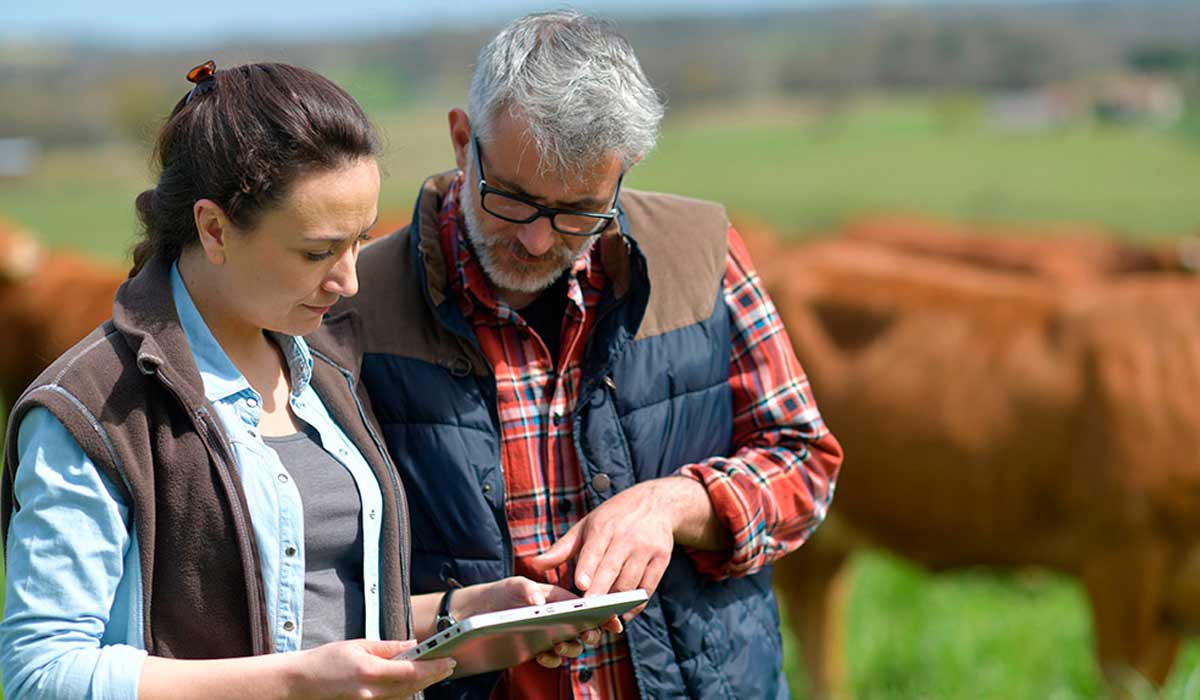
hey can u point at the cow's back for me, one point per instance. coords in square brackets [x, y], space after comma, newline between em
[958, 394]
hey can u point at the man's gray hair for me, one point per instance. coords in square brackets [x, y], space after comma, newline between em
[576, 84]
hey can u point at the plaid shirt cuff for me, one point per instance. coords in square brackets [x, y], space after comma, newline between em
[775, 490]
[748, 509]
[727, 502]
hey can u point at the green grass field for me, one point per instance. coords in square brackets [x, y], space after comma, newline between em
[808, 175]
[800, 172]
[910, 635]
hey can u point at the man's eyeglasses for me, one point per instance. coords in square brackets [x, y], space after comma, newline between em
[522, 210]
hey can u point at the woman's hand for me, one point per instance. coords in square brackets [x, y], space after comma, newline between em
[516, 592]
[359, 668]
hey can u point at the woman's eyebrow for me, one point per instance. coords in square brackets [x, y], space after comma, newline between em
[338, 239]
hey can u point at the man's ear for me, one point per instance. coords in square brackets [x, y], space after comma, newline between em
[213, 229]
[460, 136]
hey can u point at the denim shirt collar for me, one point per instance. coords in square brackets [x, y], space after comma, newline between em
[220, 376]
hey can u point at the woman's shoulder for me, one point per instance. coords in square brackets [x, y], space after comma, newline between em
[90, 388]
[96, 365]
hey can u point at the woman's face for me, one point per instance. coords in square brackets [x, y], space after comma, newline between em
[299, 259]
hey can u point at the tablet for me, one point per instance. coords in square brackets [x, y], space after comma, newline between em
[502, 639]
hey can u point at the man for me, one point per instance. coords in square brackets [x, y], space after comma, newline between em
[588, 386]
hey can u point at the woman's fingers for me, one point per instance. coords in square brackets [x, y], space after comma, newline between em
[524, 591]
[388, 648]
[427, 673]
[362, 668]
[554, 593]
[531, 592]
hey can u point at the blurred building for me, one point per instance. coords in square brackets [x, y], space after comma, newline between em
[1130, 98]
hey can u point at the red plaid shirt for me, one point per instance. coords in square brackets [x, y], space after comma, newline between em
[770, 494]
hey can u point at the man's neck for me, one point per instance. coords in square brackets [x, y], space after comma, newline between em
[517, 300]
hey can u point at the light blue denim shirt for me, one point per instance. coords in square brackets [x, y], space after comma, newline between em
[73, 610]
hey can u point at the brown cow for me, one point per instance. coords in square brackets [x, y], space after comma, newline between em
[389, 222]
[1068, 254]
[48, 301]
[1007, 420]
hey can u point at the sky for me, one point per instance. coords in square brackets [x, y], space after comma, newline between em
[209, 21]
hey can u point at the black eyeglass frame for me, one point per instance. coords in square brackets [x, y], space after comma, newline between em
[539, 210]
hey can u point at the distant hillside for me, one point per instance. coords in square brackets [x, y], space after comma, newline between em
[80, 93]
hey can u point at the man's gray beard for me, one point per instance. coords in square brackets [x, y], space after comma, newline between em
[505, 279]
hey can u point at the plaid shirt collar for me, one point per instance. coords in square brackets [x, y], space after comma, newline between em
[469, 283]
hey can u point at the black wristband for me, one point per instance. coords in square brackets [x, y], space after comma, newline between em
[444, 619]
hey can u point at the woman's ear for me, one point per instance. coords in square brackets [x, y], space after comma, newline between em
[213, 229]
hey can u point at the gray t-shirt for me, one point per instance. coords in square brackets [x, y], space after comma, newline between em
[333, 540]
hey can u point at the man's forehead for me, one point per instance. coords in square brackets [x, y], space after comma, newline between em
[517, 158]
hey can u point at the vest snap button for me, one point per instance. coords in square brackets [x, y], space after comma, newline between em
[487, 488]
[460, 366]
[289, 625]
[290, 551]
[601, 482]
[283, 478]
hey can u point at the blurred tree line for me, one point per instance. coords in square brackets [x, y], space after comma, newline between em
[86, 93]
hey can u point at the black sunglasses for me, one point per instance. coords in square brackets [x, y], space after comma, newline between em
[522, 210]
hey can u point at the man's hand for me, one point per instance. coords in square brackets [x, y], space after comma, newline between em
[627, 542]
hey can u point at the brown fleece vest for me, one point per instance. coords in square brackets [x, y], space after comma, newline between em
[131, 396]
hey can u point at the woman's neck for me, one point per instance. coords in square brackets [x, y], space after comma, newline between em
[255, 355]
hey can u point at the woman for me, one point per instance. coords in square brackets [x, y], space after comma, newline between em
[194, 486]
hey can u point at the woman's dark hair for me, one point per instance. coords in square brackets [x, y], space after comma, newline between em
[242, 143]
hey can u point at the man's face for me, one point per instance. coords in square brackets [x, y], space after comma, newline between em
[527, 258]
